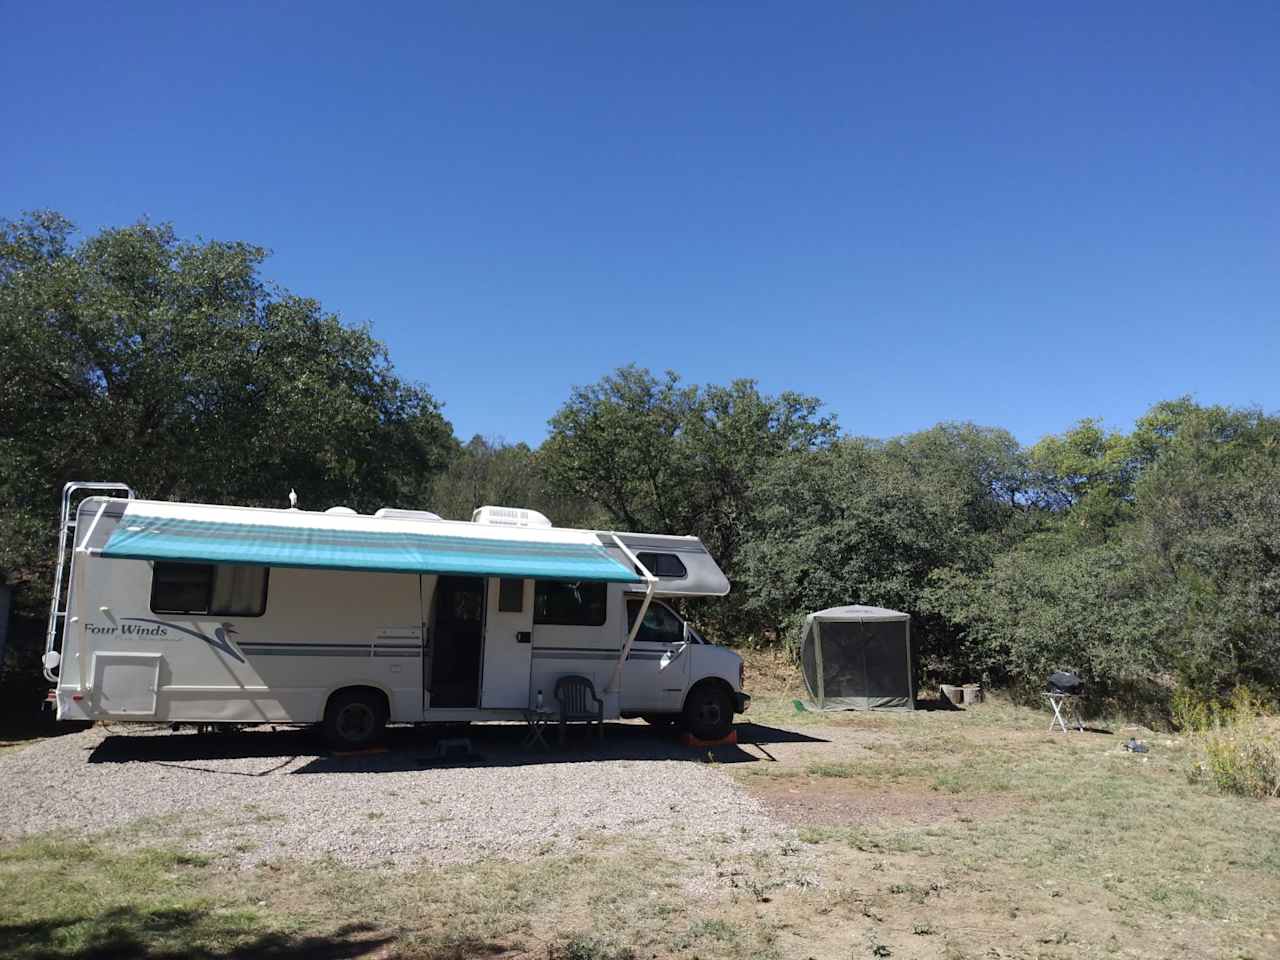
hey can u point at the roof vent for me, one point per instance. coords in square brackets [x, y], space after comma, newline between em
[391, 513]
[342, 512]
[509, 517]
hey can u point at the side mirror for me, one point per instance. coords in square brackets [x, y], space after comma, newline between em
[51, 660]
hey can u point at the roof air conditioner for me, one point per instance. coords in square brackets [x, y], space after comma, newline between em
[509, 517]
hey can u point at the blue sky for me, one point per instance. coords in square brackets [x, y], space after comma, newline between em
[990, 212]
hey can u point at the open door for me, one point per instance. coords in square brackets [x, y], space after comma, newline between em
[455, 643]
[508, 644]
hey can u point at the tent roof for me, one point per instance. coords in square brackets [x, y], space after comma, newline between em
[200, 533]
[858, 612]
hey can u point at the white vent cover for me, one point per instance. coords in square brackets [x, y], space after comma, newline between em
[510, 517]
[391, 513]
[342, 512]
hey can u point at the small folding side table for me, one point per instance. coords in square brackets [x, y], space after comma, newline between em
[1064, 702]
[537, 721]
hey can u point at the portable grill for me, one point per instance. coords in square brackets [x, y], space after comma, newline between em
[1062, 681]
[1063, 690]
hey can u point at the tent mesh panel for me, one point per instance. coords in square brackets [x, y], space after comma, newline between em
[864, 664]
[808, 659]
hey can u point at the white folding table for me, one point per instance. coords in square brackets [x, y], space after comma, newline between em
[1067, 702]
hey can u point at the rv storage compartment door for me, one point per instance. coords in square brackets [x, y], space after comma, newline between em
[125, 684]
[508, 644]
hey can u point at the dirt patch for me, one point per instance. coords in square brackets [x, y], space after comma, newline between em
[823, 802]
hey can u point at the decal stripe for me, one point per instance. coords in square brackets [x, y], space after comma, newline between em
[250, 644]
[308, 653]
[268, 649]
[218, 641]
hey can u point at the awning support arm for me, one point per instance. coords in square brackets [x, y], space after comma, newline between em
[651, 587]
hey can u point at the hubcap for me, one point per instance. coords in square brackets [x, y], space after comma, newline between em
[356, 721]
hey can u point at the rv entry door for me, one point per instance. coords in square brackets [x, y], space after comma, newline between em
[508, 644]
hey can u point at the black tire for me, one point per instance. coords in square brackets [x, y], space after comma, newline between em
[660, 719]
[708, 712]
[354, 719]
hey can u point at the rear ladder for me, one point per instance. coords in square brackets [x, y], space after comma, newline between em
[66, 543]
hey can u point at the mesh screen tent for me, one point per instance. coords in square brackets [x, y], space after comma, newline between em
[858, 658]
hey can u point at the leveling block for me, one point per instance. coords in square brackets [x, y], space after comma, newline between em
[358, 753]
[730, 740]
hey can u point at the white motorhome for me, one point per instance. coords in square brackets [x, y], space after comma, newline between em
[202, 614]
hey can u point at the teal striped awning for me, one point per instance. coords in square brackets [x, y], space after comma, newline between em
[140, 536]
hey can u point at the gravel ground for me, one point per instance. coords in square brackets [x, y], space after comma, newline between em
[259, 796]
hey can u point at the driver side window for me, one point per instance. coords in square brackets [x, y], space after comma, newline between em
[660, 624]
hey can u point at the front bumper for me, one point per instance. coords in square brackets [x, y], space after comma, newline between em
[741, 702]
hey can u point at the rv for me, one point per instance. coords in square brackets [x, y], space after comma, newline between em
[190, 613]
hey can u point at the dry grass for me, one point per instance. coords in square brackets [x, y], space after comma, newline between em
[927, 835]
[995, 835]
[1238, 744]
[77, 898]
[770, 673]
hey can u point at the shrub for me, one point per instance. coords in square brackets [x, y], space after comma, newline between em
[580, 947]
[1238, 751]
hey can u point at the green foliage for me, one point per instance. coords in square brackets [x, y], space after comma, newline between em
[1044, 605]
[1209, 530]
[871, 522]
[132, 355]
[174, 366]
[663, 457]
[1162, 567]
[492, 472]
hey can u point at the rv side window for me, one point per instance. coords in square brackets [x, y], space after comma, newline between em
[221, 590]
[238, 591]
[569, 604]
[664, 566]
[660, 625]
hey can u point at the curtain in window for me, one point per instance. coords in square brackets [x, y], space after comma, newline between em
[238, 590]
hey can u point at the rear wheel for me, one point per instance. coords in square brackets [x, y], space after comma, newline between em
[354, 719]
[708, 712]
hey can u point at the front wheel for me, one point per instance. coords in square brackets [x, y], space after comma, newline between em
[708, 712]
[354, 719]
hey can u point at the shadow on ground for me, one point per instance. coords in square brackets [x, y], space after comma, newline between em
[124, 934]
[34, 723]
[410, 748]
